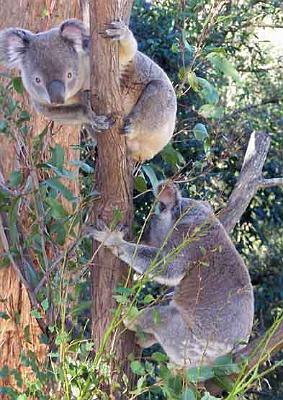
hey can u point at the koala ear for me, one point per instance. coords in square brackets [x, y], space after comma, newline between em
[168, 193]
[76, 32]
[14, 43]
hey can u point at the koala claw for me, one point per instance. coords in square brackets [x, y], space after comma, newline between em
[107, 237]
[116, 30]
[101, 122]
[128, 127]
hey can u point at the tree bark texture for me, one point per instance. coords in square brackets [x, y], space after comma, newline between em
[36, 15]
[113, 172]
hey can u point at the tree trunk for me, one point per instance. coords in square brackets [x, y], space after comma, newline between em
[37, 15]
[113, 177]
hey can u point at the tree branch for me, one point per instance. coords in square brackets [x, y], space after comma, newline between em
[248, 182]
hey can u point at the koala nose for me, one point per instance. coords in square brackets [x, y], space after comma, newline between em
[56, 91]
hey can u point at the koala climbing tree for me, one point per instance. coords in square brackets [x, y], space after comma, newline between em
[55, 71]
[212, 308]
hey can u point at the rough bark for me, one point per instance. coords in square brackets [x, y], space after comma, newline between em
[29, 15]
[113, 174]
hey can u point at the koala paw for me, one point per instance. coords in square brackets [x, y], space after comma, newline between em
[101, 122]
[106, 236]
[116, 30]
[128, 127]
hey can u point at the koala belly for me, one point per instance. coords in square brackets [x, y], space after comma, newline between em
[146, 144]
[185, 348]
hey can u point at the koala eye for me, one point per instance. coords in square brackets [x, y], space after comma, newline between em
[69, 75]
[162, 206]
[37, 79]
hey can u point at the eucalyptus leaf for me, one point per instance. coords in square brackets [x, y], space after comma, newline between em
[200, 132]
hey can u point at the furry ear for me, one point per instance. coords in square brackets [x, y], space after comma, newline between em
[168, 193]
[76, 32]
[14, 43]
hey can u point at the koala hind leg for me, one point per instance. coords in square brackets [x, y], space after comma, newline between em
[150, 124]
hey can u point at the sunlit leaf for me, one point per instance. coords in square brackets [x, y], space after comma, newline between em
[200, 132]
[200, 374]
[220, 62]
[137, 367]
[150, 173]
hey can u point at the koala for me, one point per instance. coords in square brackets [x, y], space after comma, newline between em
[55, 70]
[211, 310]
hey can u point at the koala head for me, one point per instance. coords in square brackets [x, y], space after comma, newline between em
[52, 63]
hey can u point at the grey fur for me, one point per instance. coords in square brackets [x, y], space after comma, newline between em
[211, 311]
[149, 98]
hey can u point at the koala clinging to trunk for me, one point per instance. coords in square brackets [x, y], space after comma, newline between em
[211, 311]
[55, 70]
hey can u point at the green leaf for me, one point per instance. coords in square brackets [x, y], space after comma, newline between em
[36, 314]
[211, 111]
[188, 394]
[200, 374]
[200, 132]
[140, 184]
[3, 125]
[12, 220]
[54, 183]
[172, 156]
[159, 357]
[57, 156]
[189, 47]
[56, 208]
[220, 62]
[137, 367]
[208, 91]
[4, 372]
[4, 315]
[156, 316]
[58, 231]
[18, 84]
[132, 313]
[24, 116]
[15, 178]
[83, 166]
[120, 299]
[149, 171]
[193, 81]
[224, 365]
[45, 304]
[4, 261]
[148, 299]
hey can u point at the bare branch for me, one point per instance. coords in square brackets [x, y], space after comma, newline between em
[248, 182]
[267, 183]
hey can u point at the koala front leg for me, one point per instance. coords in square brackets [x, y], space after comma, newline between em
[142, 258]
[74, 114]
[118, 30]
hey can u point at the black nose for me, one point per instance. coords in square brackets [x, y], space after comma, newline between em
[56, 91]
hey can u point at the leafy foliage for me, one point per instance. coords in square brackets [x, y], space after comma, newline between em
[229, 83]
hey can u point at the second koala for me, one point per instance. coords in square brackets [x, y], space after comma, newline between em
[211, 311]
[55, 70]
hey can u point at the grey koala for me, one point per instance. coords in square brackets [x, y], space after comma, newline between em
[211, 311]
[55, 72]
[54, 67]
